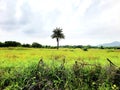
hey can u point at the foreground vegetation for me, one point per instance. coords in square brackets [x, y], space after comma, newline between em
[66, 69]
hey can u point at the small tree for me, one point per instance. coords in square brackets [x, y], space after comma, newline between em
[101, 47]
[57, 33]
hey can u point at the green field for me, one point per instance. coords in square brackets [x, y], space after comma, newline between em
[16, 65]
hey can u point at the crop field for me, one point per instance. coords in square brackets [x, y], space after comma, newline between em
[63, 69]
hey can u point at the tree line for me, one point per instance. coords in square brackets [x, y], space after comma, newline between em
[18, 44]
[38, 45]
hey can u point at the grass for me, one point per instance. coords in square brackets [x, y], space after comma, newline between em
[62, 69]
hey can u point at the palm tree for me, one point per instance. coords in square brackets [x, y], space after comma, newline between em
[57, 33]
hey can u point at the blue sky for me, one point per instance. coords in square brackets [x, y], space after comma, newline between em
[83, 21]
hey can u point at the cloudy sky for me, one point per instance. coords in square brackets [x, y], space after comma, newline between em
[83, 21]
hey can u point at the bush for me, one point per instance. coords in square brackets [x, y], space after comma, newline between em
[85, 49]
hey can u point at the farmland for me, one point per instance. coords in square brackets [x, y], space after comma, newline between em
[19, 68]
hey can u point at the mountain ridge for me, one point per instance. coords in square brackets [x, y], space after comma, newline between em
[112, 44]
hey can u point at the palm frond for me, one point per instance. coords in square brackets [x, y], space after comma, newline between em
[57, 33]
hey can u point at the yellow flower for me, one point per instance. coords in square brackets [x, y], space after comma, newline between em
[93, 83]
[114, 85]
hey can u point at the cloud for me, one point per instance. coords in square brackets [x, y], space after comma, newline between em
[8, 19]
[81, 20]
[26, 14]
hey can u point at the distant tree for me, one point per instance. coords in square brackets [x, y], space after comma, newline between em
[47, 46]
[36, 45]
[89, 46]
[78, 46]
[26, 45]
[1, 44]
[101, 47]
[57, 33]
[12, 44]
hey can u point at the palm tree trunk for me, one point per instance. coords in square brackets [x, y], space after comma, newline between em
[57, 43]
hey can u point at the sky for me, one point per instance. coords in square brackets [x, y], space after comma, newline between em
[84, 22]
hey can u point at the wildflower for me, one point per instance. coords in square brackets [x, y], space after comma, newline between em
[93, 83]
[114, 87]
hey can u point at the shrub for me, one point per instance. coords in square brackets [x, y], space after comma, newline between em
[82, 76]
[85, 49]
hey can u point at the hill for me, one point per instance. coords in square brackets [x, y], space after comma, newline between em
[112, 44]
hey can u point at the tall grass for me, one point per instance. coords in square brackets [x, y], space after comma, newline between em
[66, 69]
[41, 76]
